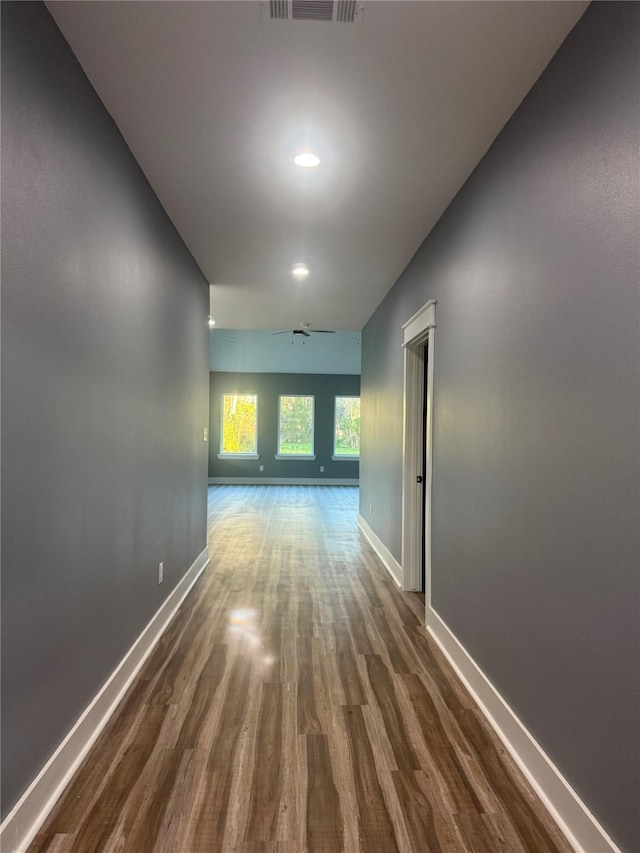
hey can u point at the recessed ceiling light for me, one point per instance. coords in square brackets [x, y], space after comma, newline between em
[306, 159]
[300, 271]
[212, 322]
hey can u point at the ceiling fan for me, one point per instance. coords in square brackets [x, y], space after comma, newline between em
[306, 331]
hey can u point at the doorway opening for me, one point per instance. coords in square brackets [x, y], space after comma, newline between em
[417, 476]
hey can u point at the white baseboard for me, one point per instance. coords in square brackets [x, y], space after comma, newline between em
[386, 557]
[27, 816]
[575, 820]
[283, 481]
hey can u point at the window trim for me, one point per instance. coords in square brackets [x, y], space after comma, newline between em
[222, 454]
[291, 457]
[298, 456]
[347, 457]
[238, 456]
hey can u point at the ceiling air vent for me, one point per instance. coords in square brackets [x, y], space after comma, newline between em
[312, 10]
[279, 9]
[336, 11]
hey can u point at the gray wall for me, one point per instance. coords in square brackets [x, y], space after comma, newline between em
[105, 394]
[268, 386]
[535, 266]
[262, 351]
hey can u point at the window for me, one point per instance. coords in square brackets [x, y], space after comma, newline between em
[295, 428]
[346, 432]
[239, 433]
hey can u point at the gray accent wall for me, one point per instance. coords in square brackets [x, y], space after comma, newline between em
[535, 266]
[268, 387]
[104, 396]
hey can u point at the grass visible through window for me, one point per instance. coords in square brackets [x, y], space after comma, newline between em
[295, 434]
[299, 449]
[347, 427]
[239, 423]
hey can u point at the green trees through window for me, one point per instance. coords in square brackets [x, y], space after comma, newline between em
[296, 426]
[347, 427]
[295, 433]
[239, 423]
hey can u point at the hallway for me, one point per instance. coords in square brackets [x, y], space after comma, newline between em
[296, 704]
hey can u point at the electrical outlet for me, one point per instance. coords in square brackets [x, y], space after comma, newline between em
[322, 469]
[205, 434]
[262, 467]
[160, 572]
[370, 509]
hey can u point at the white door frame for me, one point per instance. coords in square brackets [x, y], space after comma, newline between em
[418, 333]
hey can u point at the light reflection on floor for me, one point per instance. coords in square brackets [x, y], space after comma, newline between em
[244, 623]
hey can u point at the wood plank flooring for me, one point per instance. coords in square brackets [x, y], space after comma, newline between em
[296, 704]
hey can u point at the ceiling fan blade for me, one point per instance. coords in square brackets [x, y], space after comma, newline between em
[305, 332]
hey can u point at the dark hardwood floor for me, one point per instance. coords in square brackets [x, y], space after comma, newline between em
[296, 704]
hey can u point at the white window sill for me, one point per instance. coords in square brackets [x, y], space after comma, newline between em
[344, 458]
[295, 458]
[238, 456]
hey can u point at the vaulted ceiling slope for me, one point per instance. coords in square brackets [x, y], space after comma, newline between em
[214, 99]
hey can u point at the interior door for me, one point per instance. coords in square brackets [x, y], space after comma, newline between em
[425, 462]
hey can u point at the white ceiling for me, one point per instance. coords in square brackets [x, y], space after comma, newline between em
[214, 102]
